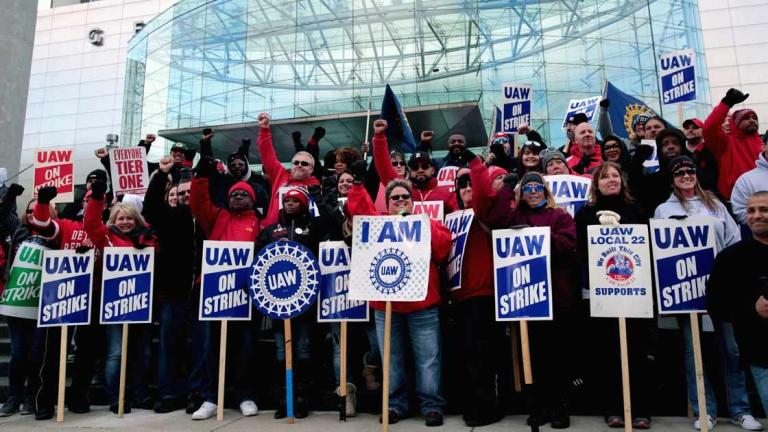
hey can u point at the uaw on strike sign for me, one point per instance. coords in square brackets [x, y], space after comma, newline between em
[129, 170]
[126, 290]
[516, 101]
[65, 297]
[390, 258]
[619, 267]
[333, 300]
[677, 76]
[684, 252]
[226, 280]
[55, 168]
[571, 192]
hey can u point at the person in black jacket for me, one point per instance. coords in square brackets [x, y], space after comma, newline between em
[176, 291]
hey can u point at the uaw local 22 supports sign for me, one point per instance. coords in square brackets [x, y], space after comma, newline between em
[129, 170]
[65, 297]
[522, 274]
[126, 290]
[55, 168]
[333, 296]
[516, 101]
[390, 258]
[677, 76]
[683, 251]
[619, 271]
[226, 280]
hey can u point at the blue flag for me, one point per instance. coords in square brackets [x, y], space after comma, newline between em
[397, 123]
[624, 110]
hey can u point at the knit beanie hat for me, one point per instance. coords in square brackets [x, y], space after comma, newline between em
[739, 115]
[495, 171]
[532, 177]
[241, 185]
[681, 162]
[677, 133]
[97, 174]
[298, 193]
[235, 156]
[549, 155]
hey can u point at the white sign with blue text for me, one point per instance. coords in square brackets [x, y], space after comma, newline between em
[458, 223]
[677, 76]
[516, 110]
[390, 258]
[571, 192]
[683, 254]
[226, 281]
[619, 263]
[126, 288]
[522, 274]
[65, 297]
[588, 106]
[333, 295]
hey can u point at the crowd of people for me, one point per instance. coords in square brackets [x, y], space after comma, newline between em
[716, 168]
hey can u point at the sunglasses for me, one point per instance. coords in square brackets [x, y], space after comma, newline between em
[30, 211]
[182, 193]
[402, 197]
[533, 187]
[398, 163]
[239, 194]
[421, 166]
[302, 163]
[682, 172]
[463, 181]
[611, 147]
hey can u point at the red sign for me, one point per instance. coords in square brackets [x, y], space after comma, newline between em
[129, 170]
[55, 168]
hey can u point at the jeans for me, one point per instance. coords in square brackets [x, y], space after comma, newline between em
[171, 344]
[27, 343]
[301, 328]
[371, 358]
[423, 330]
[240, 360]
[139, 345]
[760, 374]
[202, 373]
[735, 379]
[684, 322]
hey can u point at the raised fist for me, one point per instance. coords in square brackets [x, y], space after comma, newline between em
[379, 126]
[263, 119]
[165, 164]
[523, 129]
[101, 153]
[427, 135]
[46, 194]
[734, 96]
[15, 189]
[319, 133]
[98, 188]
[605, 103]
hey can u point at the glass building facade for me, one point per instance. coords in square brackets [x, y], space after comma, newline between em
[206, 63]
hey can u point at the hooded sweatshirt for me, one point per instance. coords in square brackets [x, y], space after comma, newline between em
[750, 182]
[735, 152]
[726, 230]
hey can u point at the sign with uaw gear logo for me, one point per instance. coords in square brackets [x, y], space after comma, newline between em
[284, 280]
[390, 258]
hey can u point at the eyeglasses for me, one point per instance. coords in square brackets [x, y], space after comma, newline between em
[239, 194]
[611, 147]
[398, 163]
[182, 193]
[30, 211]
[533, 188]
[420, 166]
[301, 162]
[402, 197]
[682, 172]
[463, 181]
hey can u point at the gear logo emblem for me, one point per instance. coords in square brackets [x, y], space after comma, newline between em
[284, 281]
[390, 271]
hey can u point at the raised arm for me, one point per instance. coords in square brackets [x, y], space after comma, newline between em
[200, 199]
[381, 158]
[270, 164]
[154, 198]
[94, 227]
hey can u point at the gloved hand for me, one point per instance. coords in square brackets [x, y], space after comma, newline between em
[318, 134]
[607, 217]
[329, 160]
[467, 155]
[98, 188]
[206, 167]
[189, 154]
[510, 180]
[605, 103]
[15, 189]
[643, 151]
[584, 163]
[498, 150]
[46, 193]
[734, 96]
[521, 226]
[358, 170]
[82, 249]
[315, 191]
[296, 135]
[678, 217]
[246, 142]
[138, 245]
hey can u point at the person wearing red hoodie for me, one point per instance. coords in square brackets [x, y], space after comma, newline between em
[420, 168]
[737, 150]
[125, 228]
[419, 320]
[237, 222]
[586, 155]
[299, 175]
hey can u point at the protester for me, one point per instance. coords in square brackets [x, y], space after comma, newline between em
[553, 162]
[706, 165]
[614, 150]
[653, 126]
[736, 150]
[570, 132]
[586, 155]
[636, 134]
[652, 187]
[750, 182]
[457, 143]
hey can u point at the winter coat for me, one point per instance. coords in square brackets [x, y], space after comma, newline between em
[750, 182]
[726, 230]
[220, 223]
[103, 235]
[735, 152]
[359, 203]
[574, 161]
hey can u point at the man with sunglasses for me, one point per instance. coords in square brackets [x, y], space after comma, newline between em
[300, 174]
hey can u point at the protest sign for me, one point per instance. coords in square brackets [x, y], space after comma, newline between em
[55, 168]
[21, 296]
[458, 223]
[284, 280]
[333, 296]
[226, 274]
[587, 106]
[126, 289]
[619, 263]
[390, 258]
[516, 101]
[313, 210]
[435, 210]
[65, 297]
[683, 254]
[447, 176]
[651, 163]
[129, 170]
[571, 192]
[521, 263]
[677, 76]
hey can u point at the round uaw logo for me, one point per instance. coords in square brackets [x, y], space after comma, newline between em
[631, 112]
[619, 267]
[390, 271]
[285, 280]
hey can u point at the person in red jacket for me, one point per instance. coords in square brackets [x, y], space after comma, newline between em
[299, 175]
[419, 320]
[238, 222]
[125, 228]
[421, 170]
[586, 155]
[736, 151]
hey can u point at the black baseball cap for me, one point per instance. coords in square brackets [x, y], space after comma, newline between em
[420, 156]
